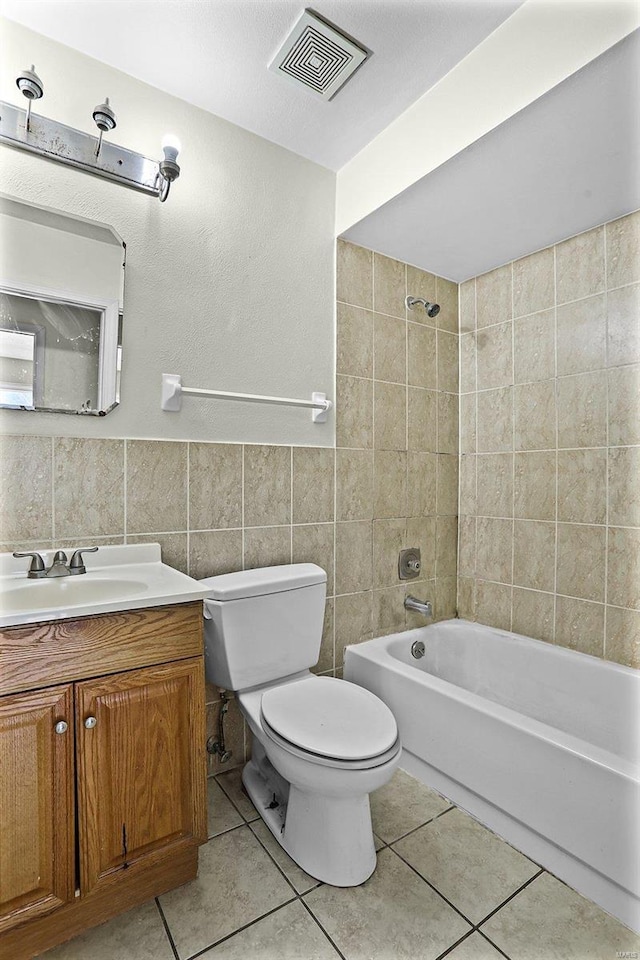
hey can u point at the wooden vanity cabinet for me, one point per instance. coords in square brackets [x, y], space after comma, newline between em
[102, 778]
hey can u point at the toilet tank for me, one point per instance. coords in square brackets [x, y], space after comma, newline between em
[261, 625]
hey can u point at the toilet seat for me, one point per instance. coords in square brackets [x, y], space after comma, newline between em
[330, 721]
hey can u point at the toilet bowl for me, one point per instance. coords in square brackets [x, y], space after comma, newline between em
[320, 745]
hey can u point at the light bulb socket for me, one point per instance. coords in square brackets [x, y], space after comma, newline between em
[104, 117]
[169, 169]
[30, 85]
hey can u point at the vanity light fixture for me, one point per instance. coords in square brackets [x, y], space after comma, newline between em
[75, 148]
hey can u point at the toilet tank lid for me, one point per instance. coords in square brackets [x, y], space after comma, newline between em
[264, 580]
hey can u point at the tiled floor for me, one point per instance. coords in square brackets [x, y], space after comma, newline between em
[445, 886]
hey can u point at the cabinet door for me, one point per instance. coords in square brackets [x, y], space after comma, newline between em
[36, 803]
[141, 768]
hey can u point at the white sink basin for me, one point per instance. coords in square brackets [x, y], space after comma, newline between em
[126, 577]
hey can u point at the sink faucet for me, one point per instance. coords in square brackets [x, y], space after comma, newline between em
[59, 567]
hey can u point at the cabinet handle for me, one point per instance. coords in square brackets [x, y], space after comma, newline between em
[90, 722]
[61, 726]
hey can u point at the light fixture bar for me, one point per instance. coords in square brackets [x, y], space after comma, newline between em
[56, 141]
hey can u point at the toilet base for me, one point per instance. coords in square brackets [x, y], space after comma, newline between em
[331, 838]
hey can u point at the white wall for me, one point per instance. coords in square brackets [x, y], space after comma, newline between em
[230, 283]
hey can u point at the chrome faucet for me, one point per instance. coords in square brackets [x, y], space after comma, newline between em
[59, 567]
[420, 606]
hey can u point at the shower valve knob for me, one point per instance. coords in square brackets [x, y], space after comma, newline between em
[409, 563]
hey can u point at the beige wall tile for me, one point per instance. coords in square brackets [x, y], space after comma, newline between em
[389, 484]
[580, 625]
[467, 305]
[354, 274]
[495, 420]
[421, 533]
[580, 266]
[534, 554]
[623, 636]
[495, 356]
[266, 546]
[446, 607]
[446, 546]
[325, 662]
[582, 410]
[447, 297]
[422, 411]
[466, 546]
[389, 537]
[354, 341]
[88, 487]
[493, 296]
[534, 493]
[535, 415]
[313, 543]
[173, 548]
[581, 332]
[448, 423]
[623, 250]
[495, 485]
[214, 552]
[575, 575]
[466, 598]
[421, 483]
[389, 286]
[354, 623]
[421, 356]
[494, 539]
[468, 431]
[354, 553]
[493, 604]
[533, 283]
[624, 405]
[215, 485]
[156, 486]
[623, 568]
[532, 614]
[624, 486]
[313, 484]
[389, 348]
[447, 362]
[354, 412]
[354, 484]
[623, 325]
[388, 611]
[447, 494]
[267, 485]
[535, 347]
[468, 352]
[421, 284]
[582, 485]
[390, 416]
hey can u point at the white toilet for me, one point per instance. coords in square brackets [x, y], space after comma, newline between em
[320, 745]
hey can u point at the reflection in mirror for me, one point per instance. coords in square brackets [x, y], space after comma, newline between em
[61, 296]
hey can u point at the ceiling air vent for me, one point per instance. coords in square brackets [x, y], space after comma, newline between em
[318, 57]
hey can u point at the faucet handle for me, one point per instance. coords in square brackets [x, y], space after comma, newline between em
[36, 569]
[76, 564]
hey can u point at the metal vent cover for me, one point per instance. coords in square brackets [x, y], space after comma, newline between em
[317, 57]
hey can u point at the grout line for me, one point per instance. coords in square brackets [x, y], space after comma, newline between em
[608, 439]
[166, 928]
[494, 945]
[511, 897]
[251, 923]
[312, 914]
[435, 889]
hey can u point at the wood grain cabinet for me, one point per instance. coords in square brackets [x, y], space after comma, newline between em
[103, 777]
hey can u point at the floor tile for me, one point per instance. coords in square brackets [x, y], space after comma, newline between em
[393, 916]
[550, 921]
[468, 864]
[231, 783]
[138, 934]
[236, 883]
[377, 842]
[296, 876]
[288, 934]
[475, 947]
[221, 813]
[402, 805]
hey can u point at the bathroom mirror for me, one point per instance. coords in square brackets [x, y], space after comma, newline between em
[61, 300]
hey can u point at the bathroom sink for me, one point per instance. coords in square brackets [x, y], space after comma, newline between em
[118, 577]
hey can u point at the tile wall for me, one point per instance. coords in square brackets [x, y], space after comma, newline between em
[550, 444]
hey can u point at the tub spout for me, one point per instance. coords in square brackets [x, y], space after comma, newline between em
[420, 606]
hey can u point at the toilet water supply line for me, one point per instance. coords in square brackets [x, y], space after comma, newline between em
[217, 747]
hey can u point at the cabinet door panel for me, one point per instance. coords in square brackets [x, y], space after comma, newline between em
[141, 768]
[36, 804]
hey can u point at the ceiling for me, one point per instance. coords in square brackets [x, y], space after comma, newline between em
[567, 162]
[215, 54]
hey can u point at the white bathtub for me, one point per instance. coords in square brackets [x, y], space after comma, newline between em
[539, 743]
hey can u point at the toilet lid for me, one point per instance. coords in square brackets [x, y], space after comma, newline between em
[329, 717]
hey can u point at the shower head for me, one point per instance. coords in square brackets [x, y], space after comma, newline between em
[431, 309]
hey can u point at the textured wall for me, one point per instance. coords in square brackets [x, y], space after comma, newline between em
[550, 444]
